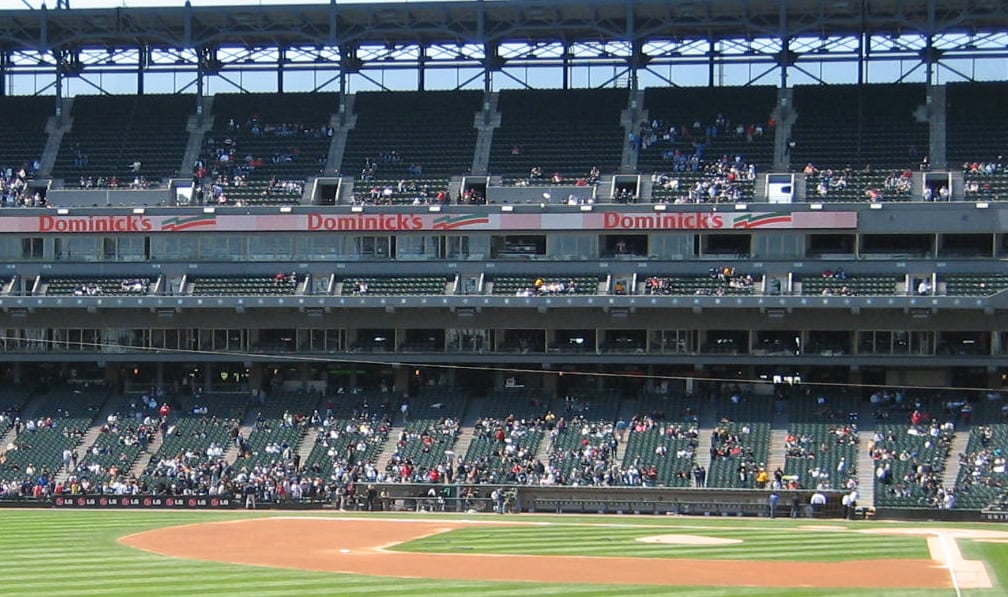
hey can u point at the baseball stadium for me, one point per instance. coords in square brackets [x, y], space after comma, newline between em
[499, 297]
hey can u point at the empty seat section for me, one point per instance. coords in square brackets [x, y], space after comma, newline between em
[560, 131]
[117, 141]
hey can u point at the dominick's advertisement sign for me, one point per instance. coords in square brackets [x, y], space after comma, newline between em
[376, 220]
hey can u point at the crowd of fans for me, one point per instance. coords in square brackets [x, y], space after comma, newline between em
[920, 448]
[543, 287]
[728, 279]
[227, 166]
[15, 190]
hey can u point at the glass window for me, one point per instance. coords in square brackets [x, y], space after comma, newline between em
[175, 247]
[780, 245]
[317, 247]
[271, 247]
[418, 246]
[573, 246]
[225, 247]
[31, 248]
[671, 245]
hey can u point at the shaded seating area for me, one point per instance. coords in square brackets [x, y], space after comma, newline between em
[860, 125]
[506, 439]
[559, 131]
[912, 458]
[715, 283]
[430, 431]
[706, 122]
[545, 285]
[419, 138]
[244, 285]
[740, 444]
[22, 136]
[124, 435]
[350, 437]
[720, 182]
[265, 146]
[970, 137]
[974, 284]
[90, 286]
[281, 421]
[124, 141]
[58, 424]
[194, 441]
[821, 445]
[849, 284]
[857, 186]
[661, 442]
[395, 285]
[983, 472]
[583, 444]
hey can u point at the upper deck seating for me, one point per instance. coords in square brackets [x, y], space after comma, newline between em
[264, 146]
[707, 122]
[22, 129]
[859, 125]
[977, 121]
[559, 131]
[422, 138]
[125, 138]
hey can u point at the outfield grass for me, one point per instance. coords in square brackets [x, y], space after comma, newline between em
[67, 552]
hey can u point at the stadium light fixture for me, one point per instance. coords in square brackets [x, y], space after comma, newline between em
[209, 210]
[286, 209]
[982, 205]
[507, 208]
[875, 206]
[815, 206]
[585, 208]
[62, 211]
[139, 211]
[741, 207]
[357, 209]
[659, 207]
[434, 208]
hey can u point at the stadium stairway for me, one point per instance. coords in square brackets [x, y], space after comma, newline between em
[628, 408]
[304, 449]
[705, 432]
[140, 464]
[865, 464]
[474, 410]
[778, 433]
[248, 424]
[960, 441]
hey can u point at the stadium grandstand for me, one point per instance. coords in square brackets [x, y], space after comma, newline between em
[644, 256]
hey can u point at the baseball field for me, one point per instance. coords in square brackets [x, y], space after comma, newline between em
[140, 552]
